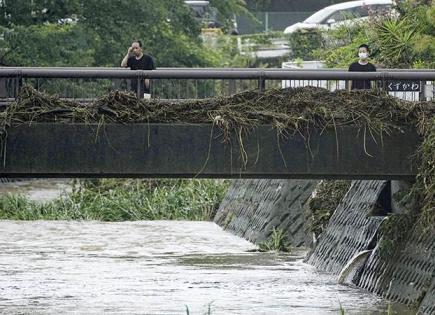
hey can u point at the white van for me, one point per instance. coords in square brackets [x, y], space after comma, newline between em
[342, 13]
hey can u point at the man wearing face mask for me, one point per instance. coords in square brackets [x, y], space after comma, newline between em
[362, 65]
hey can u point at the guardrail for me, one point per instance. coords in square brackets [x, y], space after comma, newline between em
[178, 83]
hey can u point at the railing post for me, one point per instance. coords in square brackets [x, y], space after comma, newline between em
[266, 21]
[261, 83]
[18, 85]
[384, 78]
[138, 88]
[421, 93]
[232, 87]
[222, 89]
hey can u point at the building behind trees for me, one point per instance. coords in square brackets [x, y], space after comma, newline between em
[276, 15]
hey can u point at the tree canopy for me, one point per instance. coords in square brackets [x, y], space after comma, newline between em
[98, 32]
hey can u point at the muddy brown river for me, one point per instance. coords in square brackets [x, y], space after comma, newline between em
[159, 267]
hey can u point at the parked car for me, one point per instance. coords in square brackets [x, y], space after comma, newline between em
[342, 13]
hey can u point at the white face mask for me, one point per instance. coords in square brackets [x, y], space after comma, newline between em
[363, 55]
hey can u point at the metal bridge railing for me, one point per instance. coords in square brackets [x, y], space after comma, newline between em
[83, 84]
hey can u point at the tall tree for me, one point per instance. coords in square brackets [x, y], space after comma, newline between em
[167, 28]
[100, 32]
[30, 12]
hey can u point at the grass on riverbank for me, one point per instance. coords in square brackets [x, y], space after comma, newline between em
[277, 242]
[123, 200]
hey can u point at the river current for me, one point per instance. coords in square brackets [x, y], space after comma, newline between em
[157, 267]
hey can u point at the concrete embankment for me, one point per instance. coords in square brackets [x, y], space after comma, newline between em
[350, 246]
[253, 208]
[408, 275]
[352, 228]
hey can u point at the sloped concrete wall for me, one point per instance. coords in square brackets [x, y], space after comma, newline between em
[253, 207]
[351, 229]
[408, 276]
[427, 306]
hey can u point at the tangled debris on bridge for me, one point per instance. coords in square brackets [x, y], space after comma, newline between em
[289, 111]
[286, 109]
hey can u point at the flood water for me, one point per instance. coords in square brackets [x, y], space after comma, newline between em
[156, 267]
[36, 189]
[159, 267]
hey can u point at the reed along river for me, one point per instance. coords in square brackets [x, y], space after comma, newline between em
[159, 267]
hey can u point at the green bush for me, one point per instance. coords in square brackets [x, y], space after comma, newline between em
[407, 41]
[304, 43]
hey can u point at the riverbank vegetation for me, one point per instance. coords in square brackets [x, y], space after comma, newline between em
[403, 40]
[277, 241]
[323, 202]
[123, 200]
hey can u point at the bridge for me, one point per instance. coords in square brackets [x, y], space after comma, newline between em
[196, 150]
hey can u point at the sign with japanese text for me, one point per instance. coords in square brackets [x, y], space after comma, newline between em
[403, 86]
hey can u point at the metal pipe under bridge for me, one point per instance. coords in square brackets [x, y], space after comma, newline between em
[196, 150]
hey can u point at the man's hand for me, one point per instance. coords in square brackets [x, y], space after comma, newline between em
[124, 60]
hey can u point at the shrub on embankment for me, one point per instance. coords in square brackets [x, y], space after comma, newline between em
[323, 202]
[123, 200]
